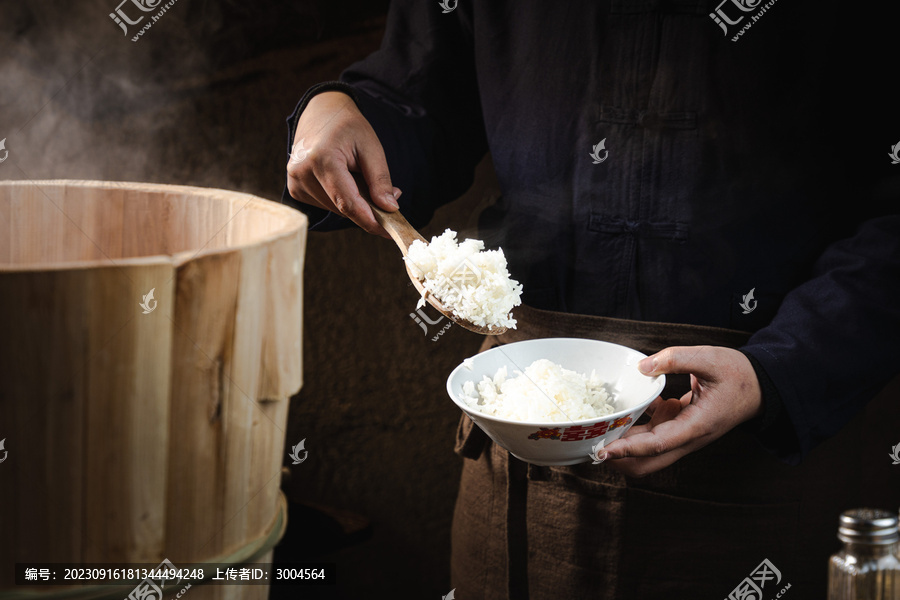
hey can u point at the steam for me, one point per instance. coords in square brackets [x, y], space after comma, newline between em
[80, 100]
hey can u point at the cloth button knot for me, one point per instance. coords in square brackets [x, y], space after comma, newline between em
[649, 120]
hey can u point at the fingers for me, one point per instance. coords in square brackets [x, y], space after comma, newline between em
[641, 467]
[305, 189]
[652, 447]
[337, 181]
[322, 179]
[373, 165]
[664, 410]
[334, 140]
[674, 429]
[724, 392]
[653, 406]
[696, 360]
[299, 186]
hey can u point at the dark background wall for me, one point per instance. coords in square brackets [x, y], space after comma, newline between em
[201, 99]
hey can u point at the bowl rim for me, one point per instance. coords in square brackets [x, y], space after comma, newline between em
[661, 384]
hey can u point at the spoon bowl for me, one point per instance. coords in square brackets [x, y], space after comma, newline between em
[405, 234]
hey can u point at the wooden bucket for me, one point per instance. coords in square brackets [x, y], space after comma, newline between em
[140, 429]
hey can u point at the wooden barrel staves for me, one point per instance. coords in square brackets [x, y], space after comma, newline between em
[151, 339]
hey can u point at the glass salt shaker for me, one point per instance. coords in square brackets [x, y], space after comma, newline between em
[867, 567]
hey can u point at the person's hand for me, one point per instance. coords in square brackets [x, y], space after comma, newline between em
[724, 393]
[332, 141]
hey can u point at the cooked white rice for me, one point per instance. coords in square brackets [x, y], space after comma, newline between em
[545, 392]
[467, 279]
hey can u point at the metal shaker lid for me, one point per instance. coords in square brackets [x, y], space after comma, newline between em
[868, 526]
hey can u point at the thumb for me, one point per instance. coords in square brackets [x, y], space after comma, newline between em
[373, 165]
[678, 359]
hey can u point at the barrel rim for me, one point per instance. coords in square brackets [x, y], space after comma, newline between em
[293, 222]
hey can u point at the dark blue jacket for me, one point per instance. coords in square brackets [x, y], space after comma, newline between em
[747, 150]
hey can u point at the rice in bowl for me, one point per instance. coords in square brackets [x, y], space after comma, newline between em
[544, 393]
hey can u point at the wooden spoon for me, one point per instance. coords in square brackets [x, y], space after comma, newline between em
[405, 234]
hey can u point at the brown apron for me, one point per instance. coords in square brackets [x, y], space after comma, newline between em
[695, 529]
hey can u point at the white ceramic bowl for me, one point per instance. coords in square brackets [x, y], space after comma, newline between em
[570, 442]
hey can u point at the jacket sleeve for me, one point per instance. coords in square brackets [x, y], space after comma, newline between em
[833, 343]
[419, 93]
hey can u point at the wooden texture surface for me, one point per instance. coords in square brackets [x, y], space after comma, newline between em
[136, 437]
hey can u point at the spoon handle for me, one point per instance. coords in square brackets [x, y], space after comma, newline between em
[398, 227]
